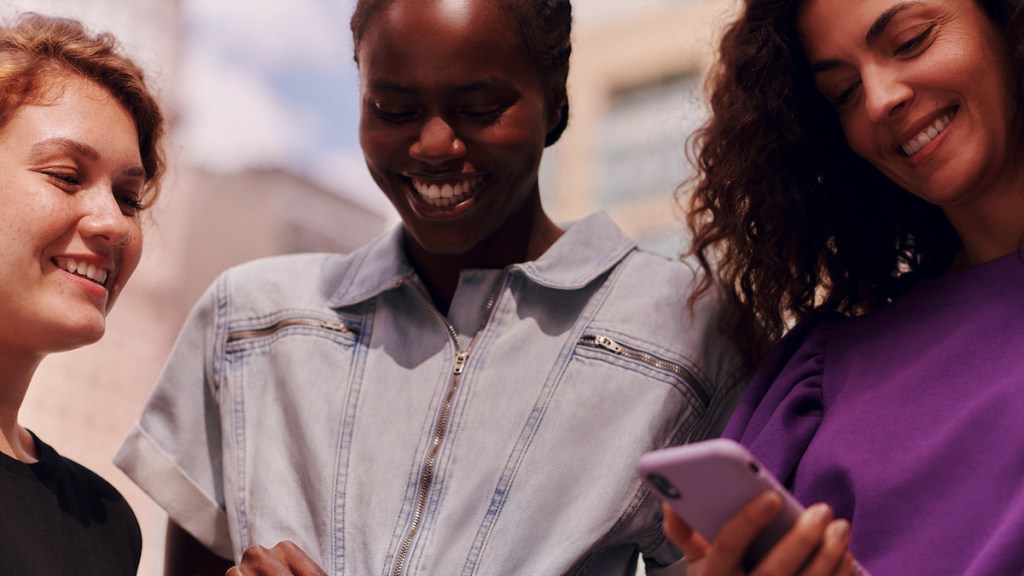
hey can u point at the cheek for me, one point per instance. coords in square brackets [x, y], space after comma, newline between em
[860, 138]
[133, 252]
[380, 146]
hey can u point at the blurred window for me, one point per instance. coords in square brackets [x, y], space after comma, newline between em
[642, 139]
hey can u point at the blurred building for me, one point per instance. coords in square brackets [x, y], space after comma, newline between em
[636, 95]
[635, 92]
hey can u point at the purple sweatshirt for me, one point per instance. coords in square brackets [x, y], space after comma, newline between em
[909, 421]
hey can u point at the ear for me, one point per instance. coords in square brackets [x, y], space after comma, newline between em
[557, 115]
[556, 108]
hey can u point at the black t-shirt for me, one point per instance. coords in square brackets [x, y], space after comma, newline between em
[59, 518]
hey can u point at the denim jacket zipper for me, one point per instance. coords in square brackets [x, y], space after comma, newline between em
[458, 367]
[687, 375]
[287, 322]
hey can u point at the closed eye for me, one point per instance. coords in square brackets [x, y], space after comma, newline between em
[846, 95]
[64, 180]
[130, 203]
[395, 117]
[914, 43]
[485, 114]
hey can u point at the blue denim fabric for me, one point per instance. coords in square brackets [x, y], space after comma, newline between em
[303, 397]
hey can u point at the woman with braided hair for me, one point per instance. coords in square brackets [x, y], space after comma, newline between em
[465, 395]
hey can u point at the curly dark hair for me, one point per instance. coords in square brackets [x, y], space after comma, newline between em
[36, 50]
[786, 219]
[544, 26]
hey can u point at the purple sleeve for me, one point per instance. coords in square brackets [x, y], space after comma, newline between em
[780, 410]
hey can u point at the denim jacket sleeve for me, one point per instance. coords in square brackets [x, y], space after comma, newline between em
[174, 451]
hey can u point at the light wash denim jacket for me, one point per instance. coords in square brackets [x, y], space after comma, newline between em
[323, 399]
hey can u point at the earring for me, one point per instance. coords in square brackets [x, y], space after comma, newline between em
[127, 240]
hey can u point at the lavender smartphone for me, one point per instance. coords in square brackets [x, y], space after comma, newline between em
[707, 483]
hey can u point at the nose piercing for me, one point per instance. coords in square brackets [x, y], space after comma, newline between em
[127, 240]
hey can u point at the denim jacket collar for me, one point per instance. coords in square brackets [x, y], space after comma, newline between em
[589, 248]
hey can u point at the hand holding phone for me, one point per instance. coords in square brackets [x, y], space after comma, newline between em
[707, 483]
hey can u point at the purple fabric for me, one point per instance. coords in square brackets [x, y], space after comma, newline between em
[909, 421]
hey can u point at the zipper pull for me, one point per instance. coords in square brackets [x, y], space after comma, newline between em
[460, 361]
[608, 343]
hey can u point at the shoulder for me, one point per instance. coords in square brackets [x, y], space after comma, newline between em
[789, 378]
[285, 270]
[653, 292]
[654, 280]
[647, 302]
[69, 477]
[316, 279]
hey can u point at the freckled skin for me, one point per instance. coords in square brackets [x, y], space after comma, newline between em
[57, 201]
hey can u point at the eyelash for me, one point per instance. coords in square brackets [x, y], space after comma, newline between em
[65, 179]
[914, 42]
[129, 204]
[477, 116]
[393, 117]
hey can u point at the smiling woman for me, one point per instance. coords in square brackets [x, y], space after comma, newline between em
[79, 160]
[465, 395]
[862, 175]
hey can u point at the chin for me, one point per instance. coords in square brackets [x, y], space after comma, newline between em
[83, 335]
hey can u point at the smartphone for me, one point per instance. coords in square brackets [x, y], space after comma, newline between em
[706, 483]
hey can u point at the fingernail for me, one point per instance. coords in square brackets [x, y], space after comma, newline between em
[820, 513]
[838, 530]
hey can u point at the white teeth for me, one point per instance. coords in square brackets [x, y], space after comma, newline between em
[447, 194]
[928, 134]
[90, 271]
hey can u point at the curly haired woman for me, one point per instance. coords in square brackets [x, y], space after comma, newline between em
[862, 179]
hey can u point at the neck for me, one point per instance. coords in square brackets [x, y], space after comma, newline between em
[991, 228]
[523, 238]
[17, 374]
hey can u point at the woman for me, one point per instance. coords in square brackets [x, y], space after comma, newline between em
[79, 162]
[863, 167]
[467, 394]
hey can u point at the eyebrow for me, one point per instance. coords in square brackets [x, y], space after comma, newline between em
[81, 149]
[489, 83]
[876, 30]
[884, 20]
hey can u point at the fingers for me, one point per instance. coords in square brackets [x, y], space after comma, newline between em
[736, 535]
[284, 559]
[815, 542]
[832, 556]
[694, 547]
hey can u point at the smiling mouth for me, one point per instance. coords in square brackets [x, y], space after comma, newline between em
[915, 144]
[447, 193]
[85, 270]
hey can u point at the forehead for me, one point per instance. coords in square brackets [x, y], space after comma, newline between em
[440, 36]
[820, 15]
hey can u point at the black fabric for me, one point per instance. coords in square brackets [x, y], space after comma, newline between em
[59, 518]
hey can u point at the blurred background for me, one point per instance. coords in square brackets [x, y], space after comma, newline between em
[262, 98]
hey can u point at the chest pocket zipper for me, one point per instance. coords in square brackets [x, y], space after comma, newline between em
[337, 327]
[691, 380]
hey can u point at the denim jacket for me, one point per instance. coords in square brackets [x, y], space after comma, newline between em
[323, 399]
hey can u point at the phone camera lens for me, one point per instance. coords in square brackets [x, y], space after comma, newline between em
[664, 486]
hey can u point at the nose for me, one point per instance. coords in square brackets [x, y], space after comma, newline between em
[885, 93]
[437, 143]
[102, 220]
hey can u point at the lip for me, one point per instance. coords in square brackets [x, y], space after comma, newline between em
[94, 275]
[920, 126]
